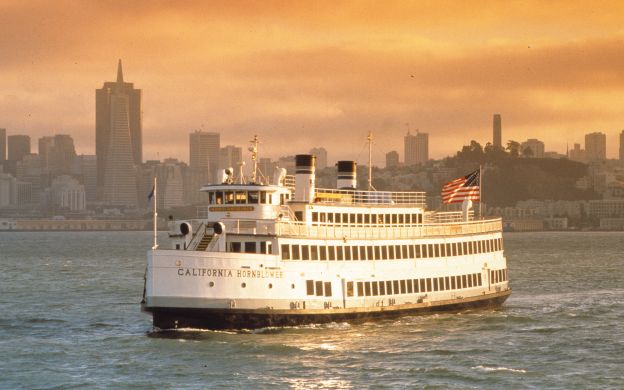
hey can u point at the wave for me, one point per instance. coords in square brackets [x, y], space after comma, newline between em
[491, 369]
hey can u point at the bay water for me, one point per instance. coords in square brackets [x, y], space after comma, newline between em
[70, 319]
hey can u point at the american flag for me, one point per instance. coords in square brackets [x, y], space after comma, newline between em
[458, 190]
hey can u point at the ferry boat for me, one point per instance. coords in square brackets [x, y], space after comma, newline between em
[263, 254]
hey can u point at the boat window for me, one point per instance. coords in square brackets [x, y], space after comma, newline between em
[310, 287]
[263, 197]
[250, 247]
[430, 250]
[403, 286]
[369, 253]
[423, 287]
[435, 284]
[395, 285]
[470, 280]
[395, 219]
[406, 255]
[323, 217]
[349, 289]
[437, 250]
[337, 218]
[479, 281]
[241, 197]
[367, 219]
[384, 252]
[229, 197]
[362, 253]
[235, 247]
[270, 198]
[348, 253]
[375, 289]
[464, 281]
[360, 287]
[299, 215]
[391, 252]
[397, 252]
[360, 219]
[264, 245]
[448, 250]
[416, 285]
[429, 289]
[319, 288]
[211, 197]
[305, 252]
[388, 219]
[389, 287]
[331, 254]
[285, 252]
[409, 286]
[441, 283]
[314, 216]
[382, 288]
[352, 219]
[219, 197]
[464, 248]
[378, 253]
[330, 217]
[401, 219]
[253, 197]
[339, 255]
[367, 287]
[447, 283]
[453, 286]
[314, 252]
[323, 250]
[417, 254]
[295, 252]
[328, 290]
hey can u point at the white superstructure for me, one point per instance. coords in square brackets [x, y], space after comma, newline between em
[273, 255]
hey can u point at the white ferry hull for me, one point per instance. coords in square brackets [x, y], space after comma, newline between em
[205, 318]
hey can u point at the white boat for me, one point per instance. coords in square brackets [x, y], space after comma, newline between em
[263, 254]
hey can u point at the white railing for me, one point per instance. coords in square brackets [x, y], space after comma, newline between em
[447, 216]
[349, 197]
[328, 231]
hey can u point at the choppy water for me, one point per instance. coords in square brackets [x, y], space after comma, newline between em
[70, 318]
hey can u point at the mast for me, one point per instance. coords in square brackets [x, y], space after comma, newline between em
[254, 157]
[155, 215]
[480, 191]
[370, 160]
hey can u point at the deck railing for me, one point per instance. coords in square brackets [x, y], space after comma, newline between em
[351, 197]
[301, 229]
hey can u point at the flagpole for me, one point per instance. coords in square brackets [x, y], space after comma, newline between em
[155, 215]
[480, 193]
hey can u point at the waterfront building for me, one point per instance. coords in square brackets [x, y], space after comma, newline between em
[120, 180]
[321, 157]
[29, 171]
[104, 111]
[66, 194]
[18, 147]
[497, 132]
[85, 168]
[57, 154]
[8, 190]
[535, 146]
[621, 146]
[392, 159]
[577, 154]
[596, 146]
[416, 148]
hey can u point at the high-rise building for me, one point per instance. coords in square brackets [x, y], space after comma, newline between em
[8, 190]
[204, 152]
[532, 148]
[45, 146]
[3, 145]
[416, 148]
[104, 122]
[622, 146]
[321, 157]
[29, 171]
[85, 169]
[392, 159]
[230, 156]
[497, 130]
[65, 194]
[19, 146]
[57, 154]
[577, 154]
[596, 146]
[120, 179]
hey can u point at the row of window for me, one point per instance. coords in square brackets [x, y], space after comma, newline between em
[389, 252]
[413, 286]
[498, 275]
[243, 197]
[318, 288]
[367, 219]
[250, 247]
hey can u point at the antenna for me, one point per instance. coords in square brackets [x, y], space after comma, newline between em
[254, 157]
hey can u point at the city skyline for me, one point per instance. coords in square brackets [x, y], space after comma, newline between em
[244, 69]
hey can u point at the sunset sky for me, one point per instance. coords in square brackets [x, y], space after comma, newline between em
[305, 74]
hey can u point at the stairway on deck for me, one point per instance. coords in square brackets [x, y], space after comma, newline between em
[203, 244]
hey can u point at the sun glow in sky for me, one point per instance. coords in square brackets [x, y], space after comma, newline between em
[305, 74]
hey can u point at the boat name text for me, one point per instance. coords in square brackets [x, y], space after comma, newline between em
[229, 273]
